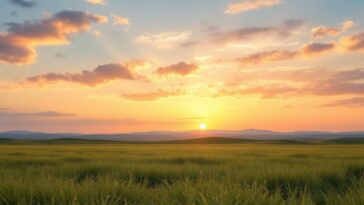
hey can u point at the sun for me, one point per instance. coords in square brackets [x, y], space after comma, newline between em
[203, 126]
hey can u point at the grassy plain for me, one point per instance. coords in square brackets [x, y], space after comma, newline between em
[252, 173]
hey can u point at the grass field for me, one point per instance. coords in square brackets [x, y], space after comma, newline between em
[181, 174]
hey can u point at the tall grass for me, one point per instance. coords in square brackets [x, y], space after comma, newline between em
[181, 174]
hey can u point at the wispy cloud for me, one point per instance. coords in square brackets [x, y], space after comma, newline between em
[164, 40]
[151, 96]
[120, 20]
[45, 114]
[250, 33]
[248, 5]
[266, 57]
[351, 103]
[17, 45]
[324, 31]
[353, 42]
[24, 3]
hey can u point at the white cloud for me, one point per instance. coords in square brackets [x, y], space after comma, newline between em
[119, 20]
[164, 40]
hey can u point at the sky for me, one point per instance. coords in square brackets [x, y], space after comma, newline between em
[112, 66]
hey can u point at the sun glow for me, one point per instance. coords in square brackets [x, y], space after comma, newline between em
[203, 126]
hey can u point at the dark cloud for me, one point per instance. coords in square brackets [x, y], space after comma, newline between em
[101, 74]
[181, 68]
[24, 3]
[17, 45]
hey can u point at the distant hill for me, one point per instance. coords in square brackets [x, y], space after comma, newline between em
[190, 136]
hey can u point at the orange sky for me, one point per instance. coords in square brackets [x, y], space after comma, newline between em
[107, 66]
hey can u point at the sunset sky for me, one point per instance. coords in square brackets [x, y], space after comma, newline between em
[114, 66]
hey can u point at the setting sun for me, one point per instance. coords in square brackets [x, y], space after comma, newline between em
[203, 126]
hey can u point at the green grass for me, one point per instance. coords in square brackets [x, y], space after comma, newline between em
[252, 173]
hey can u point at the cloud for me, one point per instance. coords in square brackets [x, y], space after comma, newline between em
[119, 20]
[266, 91]
[17, 45]
[100, 75]
[4, 109]
[24, 3]
[165, 40]
[249, 33]
[293, 83]
[45, 114]
[181, 68]
[348, 24]
[247, 5]
[97, 33]
[351, 102]
[324, 31]
[353, 42]
[151, 96]
[60, 55]
[266, 57]
[314, 49]
[308, 50]
[97, 2]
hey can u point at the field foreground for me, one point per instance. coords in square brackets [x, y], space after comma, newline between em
[181, 174]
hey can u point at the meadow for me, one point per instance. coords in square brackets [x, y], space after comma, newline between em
[201, 174]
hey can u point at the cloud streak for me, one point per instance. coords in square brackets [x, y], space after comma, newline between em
[164, 40]
[45, 114]
[307, 50]
[100, 75]
[151, 96]
[324, 31]
[249, 33]
[350, 103]
[305, 82]
[248, 5]
[24, 3]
